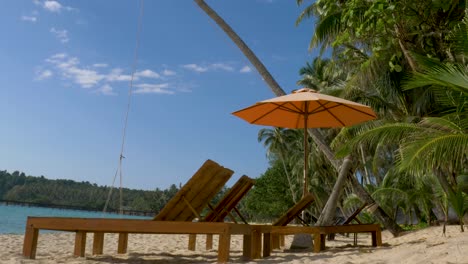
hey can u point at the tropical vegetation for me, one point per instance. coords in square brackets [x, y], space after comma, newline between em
[405, 59]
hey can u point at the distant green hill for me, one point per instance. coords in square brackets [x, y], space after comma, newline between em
[17, 186]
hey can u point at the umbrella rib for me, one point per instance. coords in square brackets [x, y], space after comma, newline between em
[360, 111]
[328, 110]
[339, 104]
[278, 106]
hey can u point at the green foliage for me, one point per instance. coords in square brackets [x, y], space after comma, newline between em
[19, 187]
[270, 196]
[418, 226]
[459, 202]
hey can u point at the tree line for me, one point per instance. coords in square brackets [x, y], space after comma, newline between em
[17, 186]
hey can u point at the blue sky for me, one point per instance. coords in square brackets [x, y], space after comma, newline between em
[66, 67]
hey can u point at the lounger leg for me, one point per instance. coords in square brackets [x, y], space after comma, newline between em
[30, 242]
[209, 242]
[256, 244]
[282, 241]
[317, 243]
[80, 244]
[376, 239]
[267, 245]
[192, 242]
[224, 247]
[123, 243]
[98, 243]
[246, 247]
[323, 238]
[275, 241]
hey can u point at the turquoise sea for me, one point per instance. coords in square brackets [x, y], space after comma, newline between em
[13, 218]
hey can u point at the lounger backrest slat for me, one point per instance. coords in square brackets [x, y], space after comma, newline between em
[230, 200]
[196, 193]
[295, 210]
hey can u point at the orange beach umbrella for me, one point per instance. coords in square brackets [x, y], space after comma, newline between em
[306, 108]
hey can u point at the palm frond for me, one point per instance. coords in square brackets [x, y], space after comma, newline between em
[433, 150]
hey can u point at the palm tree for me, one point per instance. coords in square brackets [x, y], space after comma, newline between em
[276, 141]
[317, 137]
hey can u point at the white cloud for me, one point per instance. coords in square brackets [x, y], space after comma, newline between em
[221, 66]
[100, 65]
[146, 88]
[245, 69]
[69, 69]
[58, 56]
[32, 19]
[209, 67]
[116, 76]
[106, 89]
[60, 34]
[52, 6]
[42, 75]
[98, 78]
[195, 67]
[84, 77]
[147, 74]
[168, 73]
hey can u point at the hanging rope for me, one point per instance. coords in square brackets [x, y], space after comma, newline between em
[124, 133]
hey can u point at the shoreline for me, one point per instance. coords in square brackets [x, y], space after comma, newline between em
[72, 207]
[422, 246]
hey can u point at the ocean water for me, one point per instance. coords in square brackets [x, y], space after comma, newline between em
[13, 218]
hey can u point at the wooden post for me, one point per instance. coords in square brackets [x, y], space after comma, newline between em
[246, 247]
[275, 241]
[322, 241]
[256, 243]
[376, 238]
[267, 245]
[123, 243]
[282, 241]
[209, 241]
[98, 243]
[30, 242]
[224, 246]
[192, 242]
[80, 244]
[317, 242]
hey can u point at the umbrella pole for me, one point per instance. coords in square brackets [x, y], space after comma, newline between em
[306, 167]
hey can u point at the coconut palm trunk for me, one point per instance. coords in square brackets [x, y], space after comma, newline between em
[385, 219]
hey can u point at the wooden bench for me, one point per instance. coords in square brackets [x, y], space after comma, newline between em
[319, 233]
[99, 226]
[175, 218]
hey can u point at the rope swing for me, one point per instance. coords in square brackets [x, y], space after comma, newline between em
[124, 133]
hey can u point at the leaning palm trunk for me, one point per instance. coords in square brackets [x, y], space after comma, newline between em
[328, 212]
[388, 222]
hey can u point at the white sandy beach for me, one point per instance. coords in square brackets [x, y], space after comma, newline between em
[422, 246]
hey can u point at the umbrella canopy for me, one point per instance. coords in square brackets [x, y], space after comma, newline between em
[306, 108]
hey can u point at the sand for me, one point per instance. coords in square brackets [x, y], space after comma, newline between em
[423, 246]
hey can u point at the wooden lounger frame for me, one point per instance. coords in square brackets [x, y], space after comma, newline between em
[224, 208]
[99, 226]
[288, 217]
[175, 218]
[319, 233]
[195, 195]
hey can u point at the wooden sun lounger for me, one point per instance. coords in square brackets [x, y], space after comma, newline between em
[273, 236]
[293, 213]
[224, 208]
[319, 233]
[99, 226]
[174, 218]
